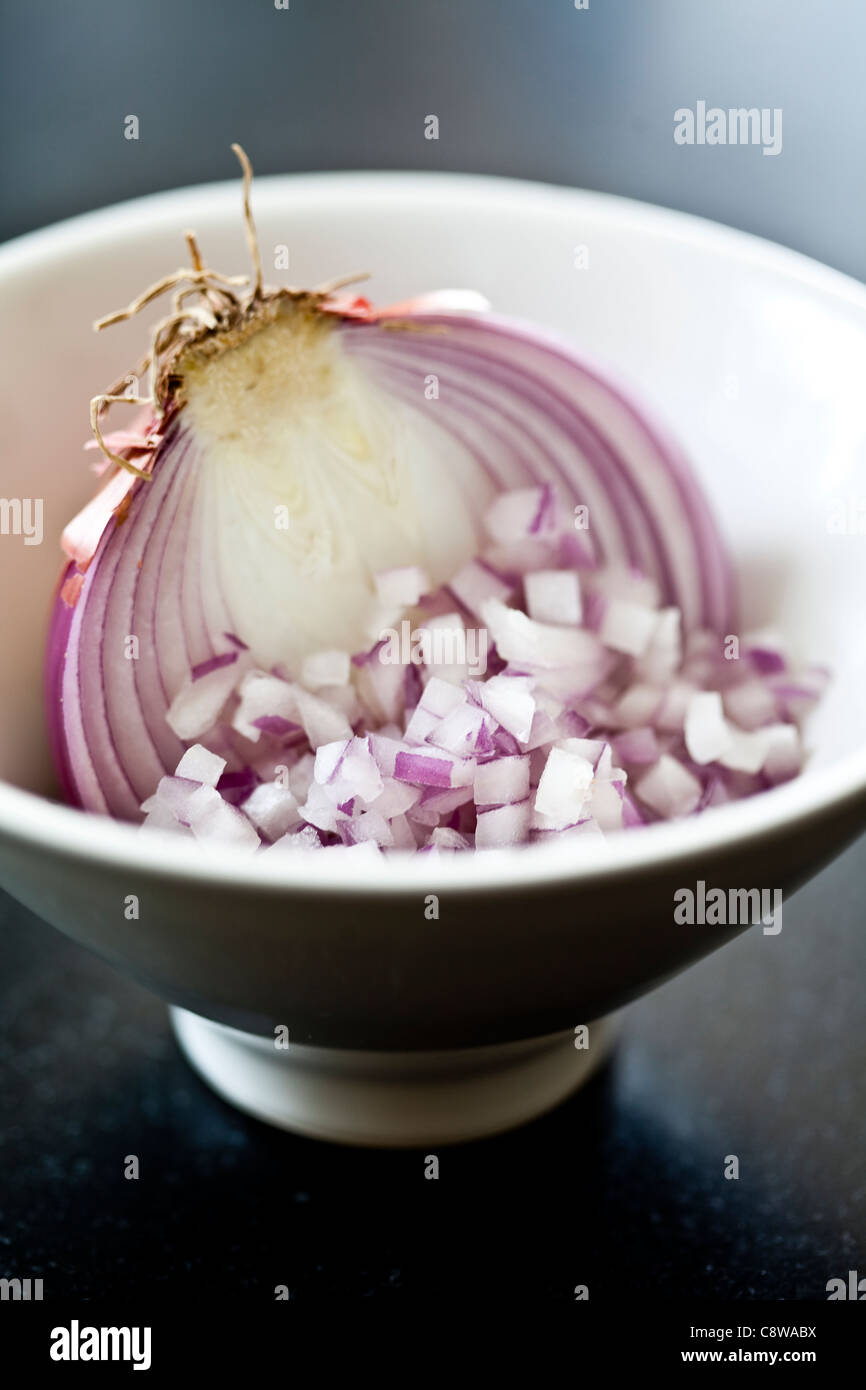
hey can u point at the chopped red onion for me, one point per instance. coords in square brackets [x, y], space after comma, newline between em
[525, 753]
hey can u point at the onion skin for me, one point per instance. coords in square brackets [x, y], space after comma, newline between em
[510, 401]
[59, 626]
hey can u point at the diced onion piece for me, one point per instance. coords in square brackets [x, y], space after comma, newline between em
[366, 849]
[637, 746]
[321, 669]
[669, 788]
[707, 733]
[349, 770]
[509, 701]
[619, 582]
[320, 721]
[221, 824]
[175, 794]
[502, 781]
[441, 698]
[160, 817]
[435, 804]
[564, 787]
[553, 596]
[301, 776]
[593, 749]
[272, 809]
[639, 705]
[385, 750]
[746, 750]
[663, 654]
[627, 627]
[199, 764]
[263, 695]
[298, 840]
[423, 770]
[670, 717]
[368, 826]
[766, 652]
[321, 809]
[404, 837]
[459, 731]
[504, 826]
[443, 838]
[359, 773]
[606, 804]
[476, 583]
[381, 683]
[198, 704]
[784, 752]
[750, 704]
[402, 587]
[523, 641]
[395, 798]
[329, 756]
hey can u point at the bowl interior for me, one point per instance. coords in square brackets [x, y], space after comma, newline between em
[752, 356]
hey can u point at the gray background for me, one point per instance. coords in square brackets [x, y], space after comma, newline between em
[531, 88]
[759, 1050]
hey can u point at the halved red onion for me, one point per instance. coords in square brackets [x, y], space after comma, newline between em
[375, 480]
[270, 628]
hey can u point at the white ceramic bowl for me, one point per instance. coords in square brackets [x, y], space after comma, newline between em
[403, 1028]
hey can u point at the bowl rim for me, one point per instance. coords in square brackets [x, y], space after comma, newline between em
[32, 820]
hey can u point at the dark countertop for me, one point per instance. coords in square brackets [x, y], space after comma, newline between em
[758, 1051]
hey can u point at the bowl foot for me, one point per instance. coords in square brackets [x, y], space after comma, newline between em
[390, 1099]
